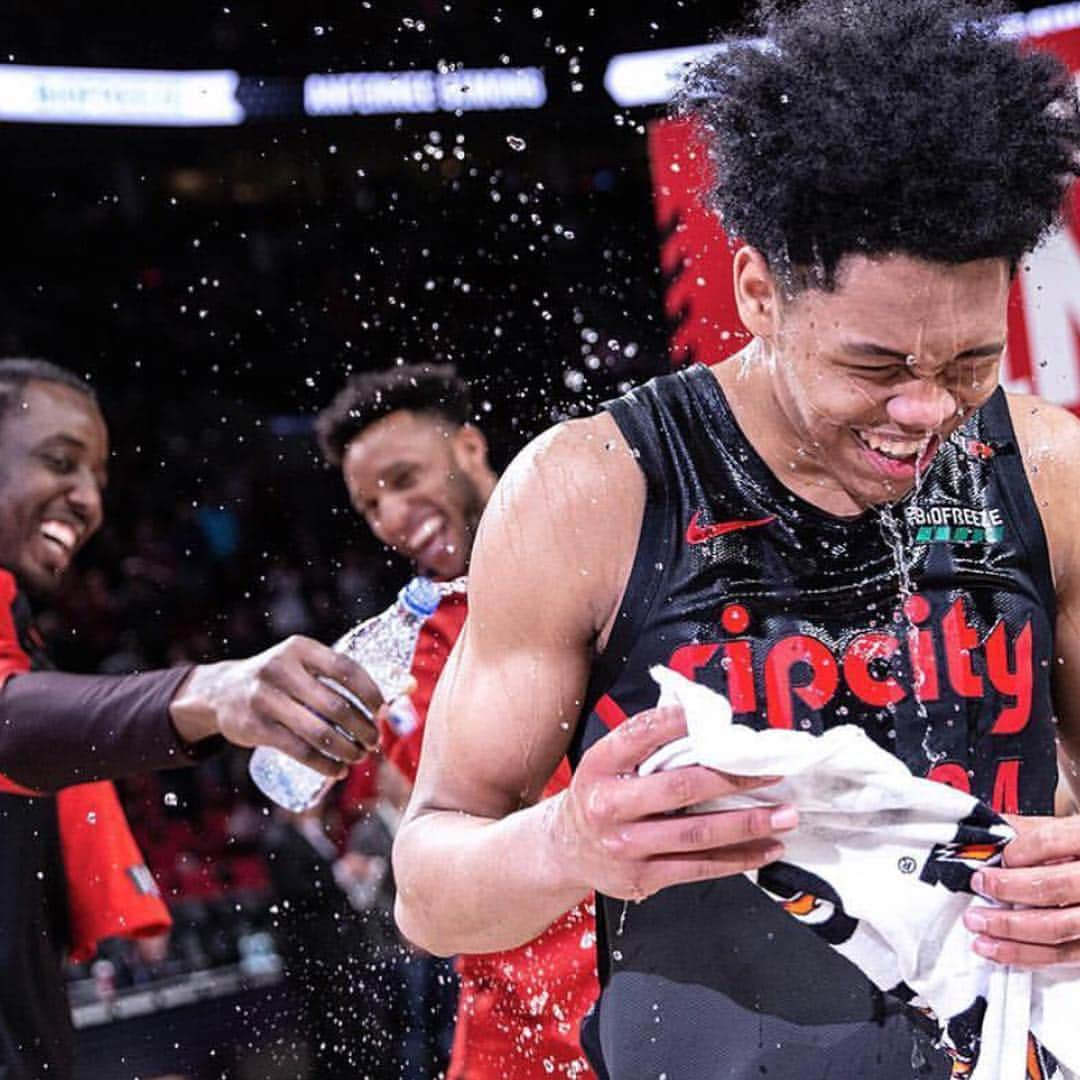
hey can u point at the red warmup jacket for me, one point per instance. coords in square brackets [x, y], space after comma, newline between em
[519, 1011]
[110, 892]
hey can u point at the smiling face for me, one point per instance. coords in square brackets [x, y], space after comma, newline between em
[420, 483]
[53, 451]
[858, 387]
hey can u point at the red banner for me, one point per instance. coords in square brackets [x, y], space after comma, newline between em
[1043, 356]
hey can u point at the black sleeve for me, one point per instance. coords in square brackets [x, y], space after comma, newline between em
[57, 730]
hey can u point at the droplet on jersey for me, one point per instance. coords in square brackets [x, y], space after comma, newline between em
[170, 798]
[516, 142]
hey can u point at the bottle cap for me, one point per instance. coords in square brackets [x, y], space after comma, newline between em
[421, 596]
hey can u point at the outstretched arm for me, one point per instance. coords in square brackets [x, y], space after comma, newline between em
[58, 729]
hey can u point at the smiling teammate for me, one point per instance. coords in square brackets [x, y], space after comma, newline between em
[61, 729]
[417, 471]
[758, 527]
[66, 878]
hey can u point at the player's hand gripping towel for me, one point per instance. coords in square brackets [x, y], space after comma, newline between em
[880, 866]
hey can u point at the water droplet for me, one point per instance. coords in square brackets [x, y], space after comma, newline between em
[516, 142]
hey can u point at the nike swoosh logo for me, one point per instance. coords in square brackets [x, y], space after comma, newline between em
[698, 534]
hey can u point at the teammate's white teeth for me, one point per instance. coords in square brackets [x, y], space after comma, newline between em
[901, 449]
[60, 532]
[424, 532]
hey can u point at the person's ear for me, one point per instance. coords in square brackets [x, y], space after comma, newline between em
[471, 448]
[757, 293]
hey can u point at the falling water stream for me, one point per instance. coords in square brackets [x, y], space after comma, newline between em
[893, 528]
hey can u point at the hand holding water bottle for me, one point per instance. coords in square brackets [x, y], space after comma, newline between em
[277, 698]
[384, 645]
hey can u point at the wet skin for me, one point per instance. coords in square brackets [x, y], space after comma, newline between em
[846, 393]
[906, 350]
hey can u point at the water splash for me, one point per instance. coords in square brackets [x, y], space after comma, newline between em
[894, 532]
[922, 467]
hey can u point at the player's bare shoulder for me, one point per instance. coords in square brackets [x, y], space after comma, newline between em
[1049, 441]
[1049, 438]
[568, 511]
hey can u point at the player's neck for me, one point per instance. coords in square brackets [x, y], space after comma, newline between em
[763, 419]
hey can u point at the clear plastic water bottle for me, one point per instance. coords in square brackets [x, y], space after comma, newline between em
[384, 646]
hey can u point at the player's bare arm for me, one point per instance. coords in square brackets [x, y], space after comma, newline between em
[480, 864]
[1042, 873]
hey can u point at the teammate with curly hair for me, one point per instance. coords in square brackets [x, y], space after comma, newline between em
[851, 522]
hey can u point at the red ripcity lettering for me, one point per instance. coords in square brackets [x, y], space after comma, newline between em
[803, 668]
[1015, 680]
[781, 658]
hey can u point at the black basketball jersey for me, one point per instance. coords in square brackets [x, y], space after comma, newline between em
[929, 623]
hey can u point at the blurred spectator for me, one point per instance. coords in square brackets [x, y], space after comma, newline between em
[220, 526]
[287, 607]
[341, 952]
[356, 585]
[427, 984]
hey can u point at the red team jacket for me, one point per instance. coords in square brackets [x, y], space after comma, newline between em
[519, 1011]
[110, 891]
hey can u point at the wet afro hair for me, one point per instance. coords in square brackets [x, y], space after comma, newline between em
[369, 396]
[877, 127]
[16, 372]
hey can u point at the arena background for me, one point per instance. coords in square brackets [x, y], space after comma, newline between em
[217, 251]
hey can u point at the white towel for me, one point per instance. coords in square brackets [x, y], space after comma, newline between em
[880, 866]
